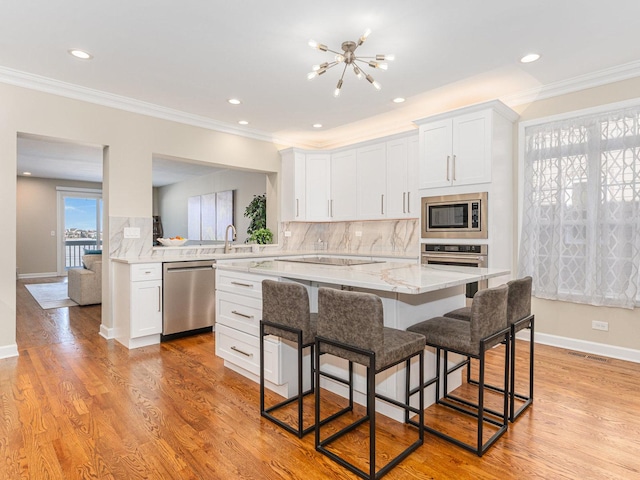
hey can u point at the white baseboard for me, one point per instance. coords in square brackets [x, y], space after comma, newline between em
[106, 332]
[7, 351]
[602, 349]
[38, 275]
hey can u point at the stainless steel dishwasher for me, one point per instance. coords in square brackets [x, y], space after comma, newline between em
[188, 298]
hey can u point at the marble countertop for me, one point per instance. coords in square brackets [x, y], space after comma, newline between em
[400, 277]
[185, 254]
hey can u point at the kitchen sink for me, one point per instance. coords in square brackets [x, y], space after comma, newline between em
[341, 262]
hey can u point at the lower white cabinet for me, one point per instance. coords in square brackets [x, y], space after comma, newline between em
[238, 315]
[138, 313]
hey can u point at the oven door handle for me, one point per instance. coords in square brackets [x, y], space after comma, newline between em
[472, 260]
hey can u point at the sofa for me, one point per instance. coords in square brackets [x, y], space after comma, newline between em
[85, 284]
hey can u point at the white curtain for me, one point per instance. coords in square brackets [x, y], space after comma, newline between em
[581, 209]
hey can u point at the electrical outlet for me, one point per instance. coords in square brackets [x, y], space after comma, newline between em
[358, 233]
[131, 232]
[287, 233]
[598, 325]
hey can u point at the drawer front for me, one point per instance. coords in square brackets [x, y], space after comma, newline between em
[244, 351]
[146, 271]
[239, 312]
[242, 283]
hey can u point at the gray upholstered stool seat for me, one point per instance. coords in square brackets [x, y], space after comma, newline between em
[519, 318]
[285, 313]
[486, 327]
[351, 326]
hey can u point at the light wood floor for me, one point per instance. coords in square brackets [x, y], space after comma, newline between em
[74, 405]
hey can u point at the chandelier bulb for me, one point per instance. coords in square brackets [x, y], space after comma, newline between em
[336, 92]
[315, 68]
[364, 36]
[319, 46]
[312, 75]
[357, 71]
[376, 85]
[339, 58]
[388, 57]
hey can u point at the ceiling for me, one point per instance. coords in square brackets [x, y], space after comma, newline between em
[189, 58]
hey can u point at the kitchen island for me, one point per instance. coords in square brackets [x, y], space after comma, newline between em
[410, 293]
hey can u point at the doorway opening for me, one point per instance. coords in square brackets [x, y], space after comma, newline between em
[79, 225]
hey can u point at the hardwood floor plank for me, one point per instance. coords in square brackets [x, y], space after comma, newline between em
[74, 405]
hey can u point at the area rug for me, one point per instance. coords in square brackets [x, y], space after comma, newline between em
[51, 295]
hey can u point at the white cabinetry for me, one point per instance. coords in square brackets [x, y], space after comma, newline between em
[138, 313]
[238, 315]
[293, 185]
[317, 186]
[402, 185]
[371, 182]
[456, 148]
[343, 190]
[306, 186]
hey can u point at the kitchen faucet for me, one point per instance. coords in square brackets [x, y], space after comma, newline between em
[227, 247]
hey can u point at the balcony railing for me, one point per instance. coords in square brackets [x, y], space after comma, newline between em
[74, 249]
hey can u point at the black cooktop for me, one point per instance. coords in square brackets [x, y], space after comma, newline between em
[342, 262]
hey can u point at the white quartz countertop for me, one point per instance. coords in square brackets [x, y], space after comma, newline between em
[410, 278]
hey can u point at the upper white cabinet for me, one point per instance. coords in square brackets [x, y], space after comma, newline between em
[342, 204]
[371, 183]
[456, 148]
[402, 184]
[305, 186]
[375, 181]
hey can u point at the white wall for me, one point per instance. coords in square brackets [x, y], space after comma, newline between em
[172, 199]
[132, 139]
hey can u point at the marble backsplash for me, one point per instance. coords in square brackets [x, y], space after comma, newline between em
[376, 237]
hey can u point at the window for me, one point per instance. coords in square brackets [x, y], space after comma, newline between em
[209, 215]
[581, 208]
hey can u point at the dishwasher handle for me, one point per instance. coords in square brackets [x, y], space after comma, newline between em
[188, 269]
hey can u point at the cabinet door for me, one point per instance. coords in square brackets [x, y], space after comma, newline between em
[471, 148]
[371, 182]
[293, 186]
[317, 186]
[413, 198]
[146, 308]
[397, 178]
[343, 189]
[435, 154]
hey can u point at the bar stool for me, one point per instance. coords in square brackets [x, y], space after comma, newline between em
[351, 326]
[519, 317]
[285, 313]
[487, 327]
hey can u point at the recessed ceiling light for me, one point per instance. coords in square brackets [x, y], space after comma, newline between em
[81, 54]
[243, 122]
[532, 57]
[234, 101]
[26, 173]
[317, 125]
[398, 100]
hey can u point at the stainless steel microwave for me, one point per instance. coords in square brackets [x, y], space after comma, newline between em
[455, 216]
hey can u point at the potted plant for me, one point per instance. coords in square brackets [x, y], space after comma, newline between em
[256, 211]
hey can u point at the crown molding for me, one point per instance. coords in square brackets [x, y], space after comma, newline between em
[77, 92]
[582, 82]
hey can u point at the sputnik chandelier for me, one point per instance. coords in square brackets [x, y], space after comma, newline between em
[349, 58]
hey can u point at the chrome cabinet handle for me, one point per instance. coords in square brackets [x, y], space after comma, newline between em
[448, 157]
[404, 202]
[241, 314]
[159, 298]
[240, 351]
[331, 208]
[382, 204]
[297, 207]
[408, 202]
[454, 168]
[242, 284]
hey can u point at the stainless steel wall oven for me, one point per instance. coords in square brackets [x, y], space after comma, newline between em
[462, 255]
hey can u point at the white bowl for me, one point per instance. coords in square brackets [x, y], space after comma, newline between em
[168, 242]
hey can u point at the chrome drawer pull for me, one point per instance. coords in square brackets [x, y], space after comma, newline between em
[241, 314]
[242, 284]
[240, 351]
